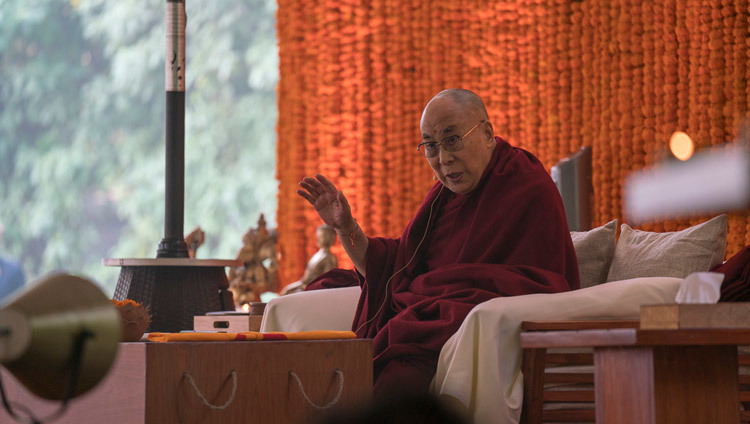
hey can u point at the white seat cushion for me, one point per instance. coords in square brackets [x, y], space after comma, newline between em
[330, 309]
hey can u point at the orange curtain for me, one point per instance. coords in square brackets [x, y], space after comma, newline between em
[556, 75]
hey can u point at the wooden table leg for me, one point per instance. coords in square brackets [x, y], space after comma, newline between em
[624, 385]
[668, 384]
[696, 384]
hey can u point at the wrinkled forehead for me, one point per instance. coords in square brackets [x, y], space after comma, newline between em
[442, 117]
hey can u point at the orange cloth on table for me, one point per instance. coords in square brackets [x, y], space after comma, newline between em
[249, 336]
[317, 335]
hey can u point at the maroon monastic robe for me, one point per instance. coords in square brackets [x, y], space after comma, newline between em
[508, 237]
[736, 284]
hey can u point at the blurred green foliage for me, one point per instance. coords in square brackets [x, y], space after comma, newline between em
[82, 129]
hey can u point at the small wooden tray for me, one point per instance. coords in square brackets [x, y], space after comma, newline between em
[676, 316]
[229, 323]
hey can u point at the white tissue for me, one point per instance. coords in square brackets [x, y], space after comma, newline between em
[700, 287]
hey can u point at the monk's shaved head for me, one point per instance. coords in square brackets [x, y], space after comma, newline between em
[466, 99]
[456, 127]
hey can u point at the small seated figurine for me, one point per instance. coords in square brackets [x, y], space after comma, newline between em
[194, 240]
[322, 261]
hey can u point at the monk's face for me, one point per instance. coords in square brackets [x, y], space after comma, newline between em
[459, 171]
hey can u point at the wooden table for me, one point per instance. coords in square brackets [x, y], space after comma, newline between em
[148, 383]
[658, 376]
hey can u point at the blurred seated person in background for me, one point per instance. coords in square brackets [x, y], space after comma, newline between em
[11, 274]
[415, 408]
[322, 261]
[493, 225]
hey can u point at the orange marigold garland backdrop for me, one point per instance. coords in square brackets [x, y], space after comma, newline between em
[620, 76]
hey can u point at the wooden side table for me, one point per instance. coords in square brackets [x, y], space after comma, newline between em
[658, 376]
[148, 383]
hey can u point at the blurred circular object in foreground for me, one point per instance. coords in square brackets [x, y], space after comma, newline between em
[681, 145]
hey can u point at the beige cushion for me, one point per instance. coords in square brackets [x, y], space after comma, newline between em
[329, 309]
[672, 254]
[594, 250]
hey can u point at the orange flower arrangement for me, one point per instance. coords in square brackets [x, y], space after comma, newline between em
[556, 75]
[134, 319]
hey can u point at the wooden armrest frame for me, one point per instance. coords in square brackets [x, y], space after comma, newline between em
[577, 325]
[534, 362]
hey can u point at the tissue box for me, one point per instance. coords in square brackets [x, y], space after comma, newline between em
[674, 316]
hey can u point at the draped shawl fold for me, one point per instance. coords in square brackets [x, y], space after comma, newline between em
[509, 237]
[736, 284]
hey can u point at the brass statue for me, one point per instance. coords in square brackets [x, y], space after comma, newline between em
[322, 261]
[257, 274]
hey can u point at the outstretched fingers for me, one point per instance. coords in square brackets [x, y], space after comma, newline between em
[312, 185]
[326, 183]
[315, 189]
[309, 188]
[306, 196]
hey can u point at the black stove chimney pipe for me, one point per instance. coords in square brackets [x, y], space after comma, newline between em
[173, 244]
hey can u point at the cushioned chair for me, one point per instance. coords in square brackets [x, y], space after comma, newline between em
[480, 365]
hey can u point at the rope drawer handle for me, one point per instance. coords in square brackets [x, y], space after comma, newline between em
[203, 399]
[339, 373]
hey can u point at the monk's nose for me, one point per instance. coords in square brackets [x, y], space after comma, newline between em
[445, 157]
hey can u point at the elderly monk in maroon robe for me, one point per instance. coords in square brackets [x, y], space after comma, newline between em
[493, 225]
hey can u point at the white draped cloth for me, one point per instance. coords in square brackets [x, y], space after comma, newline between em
[480, 365]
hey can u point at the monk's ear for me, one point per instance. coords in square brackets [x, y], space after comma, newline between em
[488, 131]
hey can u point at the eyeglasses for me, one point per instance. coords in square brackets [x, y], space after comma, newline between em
[454, 143]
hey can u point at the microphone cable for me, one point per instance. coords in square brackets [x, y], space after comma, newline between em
[385, 297]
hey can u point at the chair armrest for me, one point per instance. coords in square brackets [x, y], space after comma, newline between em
[578, 325]
[329, 309]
